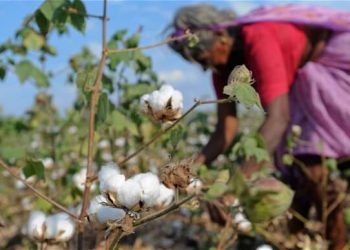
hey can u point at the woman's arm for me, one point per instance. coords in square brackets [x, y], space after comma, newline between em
[224, 133]
[276, 122]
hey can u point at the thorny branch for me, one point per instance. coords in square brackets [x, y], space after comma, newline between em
[12, 172]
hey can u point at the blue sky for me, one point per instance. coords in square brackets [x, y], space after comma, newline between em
[152, 15]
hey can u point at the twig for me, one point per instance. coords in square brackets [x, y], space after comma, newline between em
[94, 100]
[169, 40]
[162, 212]
[75, 11]
[341, 197]
[303, 168]
[116, 239]
[298, 216]
[37, 192]
[162, 132]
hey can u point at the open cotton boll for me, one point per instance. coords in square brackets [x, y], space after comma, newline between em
[113, 183]
[35, 225]
[129, 194]
[110, 178]
[48, 162]
[79, 180]
[59, 227]
[166, 196]
[166, 88]
[105, 214]
[194, 187]
[96, 203]
[150, 186]
[177, 100]
[264, 247]
[242, 222]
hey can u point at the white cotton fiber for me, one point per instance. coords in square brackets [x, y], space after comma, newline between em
[105, 214]
[96, 203]
[150, 186]
[166, 196]
[35, 225]
[110, 178]
[129, 194]
[59, 227]
[194, 187]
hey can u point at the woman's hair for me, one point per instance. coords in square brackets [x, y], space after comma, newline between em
[197, 18]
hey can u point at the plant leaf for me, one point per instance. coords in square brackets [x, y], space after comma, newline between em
[34, 167]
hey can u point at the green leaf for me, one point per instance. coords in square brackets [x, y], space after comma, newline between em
[331, 164]
[119, 35]
[216, 190]
[86, 79]
[176, 135]
[2, 72]
[133, 41]
[239, 87]
[42, 22]
[238, 183]
[26, 70]
[287, 159]
[116, 58]
[49, 7]
[142, 62]
[102, 109]
[34, 167]
[42, 205]
[243, 93]
[107, 84]
[347, 216]
[33, 41]
[78, 19]
[121, 123]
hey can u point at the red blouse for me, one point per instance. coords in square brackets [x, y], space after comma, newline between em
[272, 51]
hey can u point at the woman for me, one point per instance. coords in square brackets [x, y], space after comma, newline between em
[300, 60]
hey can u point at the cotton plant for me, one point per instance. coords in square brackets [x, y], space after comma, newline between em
[165, 104]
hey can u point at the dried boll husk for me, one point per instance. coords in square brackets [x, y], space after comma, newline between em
[176, 175]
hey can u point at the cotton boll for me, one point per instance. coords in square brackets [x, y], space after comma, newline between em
[166, 88]
[79, 180]
[59, 227]
[177, 100]
[166, 196]
[264, 247]
[129, 194]
[35, 225]
[150, 186]
[113, 183]
[110, 178]
[242, 222]
[105, 214]
[194, 187]
[103, 144]
[107, 170]
[48, 162]
[96, 203]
